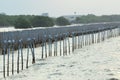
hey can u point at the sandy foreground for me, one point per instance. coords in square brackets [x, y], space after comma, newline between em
[95, 62]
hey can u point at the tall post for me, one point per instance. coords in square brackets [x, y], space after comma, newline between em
[13, 41]
[4, 52]
[27, 55]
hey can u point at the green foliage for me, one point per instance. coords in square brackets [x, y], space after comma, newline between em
[3, 20]
[61, 21]
[42, 21]
[90, 18]
[22, 23]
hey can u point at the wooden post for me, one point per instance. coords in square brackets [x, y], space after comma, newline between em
[75, 41]
[49, 45]
[9, 45]
[72, 42]
[60, 45]
[18, 58]
[65, 43]
[86, 40]
[56, 38]
[68, 43]
[54, 46]
[33, 52]
[82, 40]
[63, 46]
[27, 55]
[90, 39]
[98, 39]
[20, 44]
[42, 49]
[93, 38]
[4, 52]
[13, 41]
[45, 42]
[78, 44]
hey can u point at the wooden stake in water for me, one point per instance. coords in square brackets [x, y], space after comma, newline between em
[51, 46]
[27, 55]
[60, 44]
[78, 41]
[57, 46]
[85, 40]
[4, 52]
[54, 46]
[93, 38]
[72, 41]
[63, 45]
[68, 43]
[18, 58]
[56, 39]
[82, 40]
[9, 45]
[42, 48]
[75, 46]
[50, 42]
[33, 52]
[104, 33]
[98, 37]
[13, 41]
[45, 43]
[89, 39]
[20, 42]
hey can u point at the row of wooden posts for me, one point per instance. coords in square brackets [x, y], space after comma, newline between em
[49, 47]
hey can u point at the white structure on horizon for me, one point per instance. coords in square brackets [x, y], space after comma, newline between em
[45, 14]
[71, 17]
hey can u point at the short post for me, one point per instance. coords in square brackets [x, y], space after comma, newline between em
[32, 46]
[42, 44]
[60, 45]
[45, 42]
[68, 43]
[72, 41]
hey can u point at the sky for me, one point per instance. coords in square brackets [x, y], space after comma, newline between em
[57, 8]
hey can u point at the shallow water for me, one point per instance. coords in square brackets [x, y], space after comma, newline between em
[96, 62]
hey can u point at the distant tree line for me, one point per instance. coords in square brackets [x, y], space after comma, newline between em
[90, 18]
[28, 21]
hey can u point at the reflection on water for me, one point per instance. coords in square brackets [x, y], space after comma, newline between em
[5, 29]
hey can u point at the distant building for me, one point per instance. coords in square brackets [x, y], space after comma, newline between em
[45, 14]
[71, 18]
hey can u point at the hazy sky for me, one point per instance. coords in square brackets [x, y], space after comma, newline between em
[60, 7]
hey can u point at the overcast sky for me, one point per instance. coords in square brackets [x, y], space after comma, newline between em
[60, 7]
